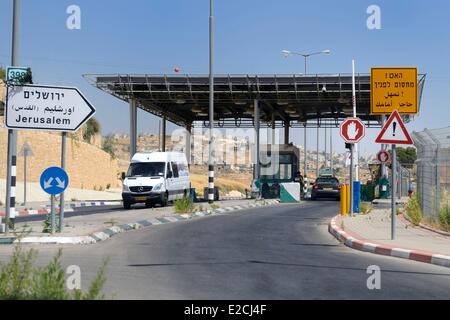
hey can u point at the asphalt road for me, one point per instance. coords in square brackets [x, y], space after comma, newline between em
[278, 252]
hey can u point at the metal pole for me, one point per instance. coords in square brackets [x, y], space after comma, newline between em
[211, 105]
[163, 134]
[52, 213]
[25, 177]
[133, 128]
[383, 147]
[317, 154]
[326, 154]
[63, 166]
[394, 187]
[354, 115]
[305, 167]
[331, 150]
[305, 179]
[159, 135]
[400, 188]
[12, 134]
[273, 129]
[286, 132]
[257, 156]
[188, 142]
[351, 179]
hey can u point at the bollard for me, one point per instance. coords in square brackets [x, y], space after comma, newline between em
[344, 210]
[347, 198]
[356, 196]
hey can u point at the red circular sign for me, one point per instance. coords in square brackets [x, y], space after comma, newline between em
[352, 130]
[383, 156]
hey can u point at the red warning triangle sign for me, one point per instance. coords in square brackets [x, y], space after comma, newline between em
[394, 131]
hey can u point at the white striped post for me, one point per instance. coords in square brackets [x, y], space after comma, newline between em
[210, 183]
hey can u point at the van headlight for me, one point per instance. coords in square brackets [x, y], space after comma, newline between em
[125, 188]
[157, 187]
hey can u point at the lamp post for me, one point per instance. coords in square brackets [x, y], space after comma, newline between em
[286, 54]
[211, 106]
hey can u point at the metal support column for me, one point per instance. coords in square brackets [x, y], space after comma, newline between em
[163, 134]
[305, 165]
[257, 125]
[10, 205]
[63, 166]
[325, 148]
[383, 147]
[317, 154]
[273, 129]
[393, 195]
[211, 106]
[188, 142]
[133, 128]
[352, 150]
[286, 132]
[331, 150]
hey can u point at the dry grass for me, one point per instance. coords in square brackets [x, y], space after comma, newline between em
[225, 184]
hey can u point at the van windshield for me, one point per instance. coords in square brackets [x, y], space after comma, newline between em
[146, 169]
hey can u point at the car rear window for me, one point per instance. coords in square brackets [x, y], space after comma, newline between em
[327, 180]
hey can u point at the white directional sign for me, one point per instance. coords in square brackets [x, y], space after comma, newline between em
[46, 108]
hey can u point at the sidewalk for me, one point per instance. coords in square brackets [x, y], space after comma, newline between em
[372, 233]
[96, 227]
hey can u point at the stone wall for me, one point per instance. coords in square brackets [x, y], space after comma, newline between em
[88, 166]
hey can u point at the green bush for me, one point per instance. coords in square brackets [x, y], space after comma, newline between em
[184, 205]
[444, 217]
[414, 210]
[47, 224]
[20, 280]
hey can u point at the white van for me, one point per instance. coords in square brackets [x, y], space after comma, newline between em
[156, 178]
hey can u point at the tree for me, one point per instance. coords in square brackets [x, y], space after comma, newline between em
[406, 156]
[109, 145]
[91, 128]
[2, 74]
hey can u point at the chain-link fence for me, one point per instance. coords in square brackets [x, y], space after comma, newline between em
[433, 169]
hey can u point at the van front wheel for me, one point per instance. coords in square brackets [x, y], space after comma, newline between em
[164, 199]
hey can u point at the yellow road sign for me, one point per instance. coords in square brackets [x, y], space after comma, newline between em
[393, 89]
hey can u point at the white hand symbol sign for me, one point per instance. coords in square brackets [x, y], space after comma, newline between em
[352, 131]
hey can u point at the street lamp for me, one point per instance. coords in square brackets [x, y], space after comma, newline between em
[287, 53]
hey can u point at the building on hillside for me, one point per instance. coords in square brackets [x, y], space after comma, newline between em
[2, 97]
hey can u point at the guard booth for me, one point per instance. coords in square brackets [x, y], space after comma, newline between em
[279, 164]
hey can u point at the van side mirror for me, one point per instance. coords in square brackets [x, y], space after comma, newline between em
[123, 176]
[169, 174]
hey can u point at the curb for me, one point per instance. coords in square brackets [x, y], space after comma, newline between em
[362, 245]
[92, 204]
[69, 208]
[112, 231]
[24, 213]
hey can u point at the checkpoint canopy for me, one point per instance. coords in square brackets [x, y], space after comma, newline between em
[316, 100]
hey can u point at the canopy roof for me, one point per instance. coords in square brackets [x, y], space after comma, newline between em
[303, 100]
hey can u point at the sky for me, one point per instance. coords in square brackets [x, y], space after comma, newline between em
[154, 36]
